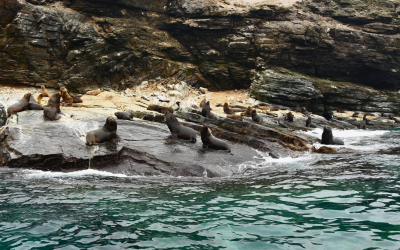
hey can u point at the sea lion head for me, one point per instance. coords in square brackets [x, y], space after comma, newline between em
[111, 124]
[226, 106]
[170, 117]
[62, 89]
[205, 131]
[42, 87]
[27, 97]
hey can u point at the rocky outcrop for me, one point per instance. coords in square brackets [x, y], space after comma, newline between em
[3, 115]
[86, 44]
[317, 95]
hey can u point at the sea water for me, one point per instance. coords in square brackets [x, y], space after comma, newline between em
[316, 201]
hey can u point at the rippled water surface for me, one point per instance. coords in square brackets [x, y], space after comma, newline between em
[345, 201]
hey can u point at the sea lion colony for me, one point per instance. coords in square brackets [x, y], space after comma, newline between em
[52, 111]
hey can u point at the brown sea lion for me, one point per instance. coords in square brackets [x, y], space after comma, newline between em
[255, 117]
[179, 131]
[235, 117]
[33, 105]
[303, 110]
[355, 114]
[298, 109]
[105, 133]
[202, 103]
[76, 99]
[289, 117]
[39, 99]
[248, 112]
[195, 106]
[160, 109]
[44, 91]
[227, 110]
[274, 109]
[21, 105]
[66, 97]
[237, 106]
[327, 138]
[367, 121]
[53, 107]
[94, 92]
[209, 141]
[124, 115]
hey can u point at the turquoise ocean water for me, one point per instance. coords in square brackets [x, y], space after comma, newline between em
[344, 201]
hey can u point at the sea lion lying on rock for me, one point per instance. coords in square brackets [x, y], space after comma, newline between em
[274, 109]
[94, 92]
[124, 115]
[103, 134]
[20, 106]
[209, 141]
[179, 131]
[33, 105]
[160, 109]
[227, 110]
[67, 98]
[328, 139]
[75, 99]
[235, 117]
[355, 114]
[53, 107]
[255, 117]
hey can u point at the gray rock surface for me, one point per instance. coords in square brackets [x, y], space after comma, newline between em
[3, 115]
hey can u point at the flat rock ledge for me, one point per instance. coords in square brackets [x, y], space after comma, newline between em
[147, 147]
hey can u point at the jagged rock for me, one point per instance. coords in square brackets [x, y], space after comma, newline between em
[176, 94]
[203, 90]
[3, 115]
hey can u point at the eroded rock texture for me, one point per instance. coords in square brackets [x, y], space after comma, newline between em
[85, 44]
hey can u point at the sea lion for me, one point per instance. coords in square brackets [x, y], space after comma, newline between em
[206, 109]
[66, 97]
[367, 121]
[53, 107]
[328, 139]
[227, 110]
[310, 124]
[396, 120]
[255, 117]
[238, 106]
[355, 114]
[327, 115]
[384, 115]
[76, 99]
[364, 127]
[248, 112]
[195, 106]
[211, 115]
[177, 130]
[44, 91]
[21, 105]
[39, 99]
[274, 109]
[289, 117]
[94, 92]
[202, 103]
[235, 117]
[340, 111]
[105, 133]
[298, 109]
[160, 109]
[124, 115]
[33, 105]
[209, 141]
[303, 110]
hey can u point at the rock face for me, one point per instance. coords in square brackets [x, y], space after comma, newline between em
[3, 115]
[87, 44]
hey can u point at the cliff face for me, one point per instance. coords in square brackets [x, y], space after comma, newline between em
[86, 44]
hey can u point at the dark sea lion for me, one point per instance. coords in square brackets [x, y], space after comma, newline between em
[105, 133]
[310, 124]
[384, 115]
[227, 110]
[340, 111]
[44, 91]
[209, 141]
[364, 127]
[235, 117]
[21, 105]
[289, 117]
[355, 114]
[206, 109]
[298, 109]
[67, 98]
[33, 105]
[274, 109]
[53, 107]
[124, 115]
[367, 121]
[327, 115]
[303, 110]
[177, 130]
[328, 139]
[248, 112]
[255, 117]
[202, 103]
[211, 115]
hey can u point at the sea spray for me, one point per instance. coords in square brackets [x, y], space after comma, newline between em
[92, 150]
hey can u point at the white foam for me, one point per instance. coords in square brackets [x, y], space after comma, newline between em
[347, 133]
[87, 172]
